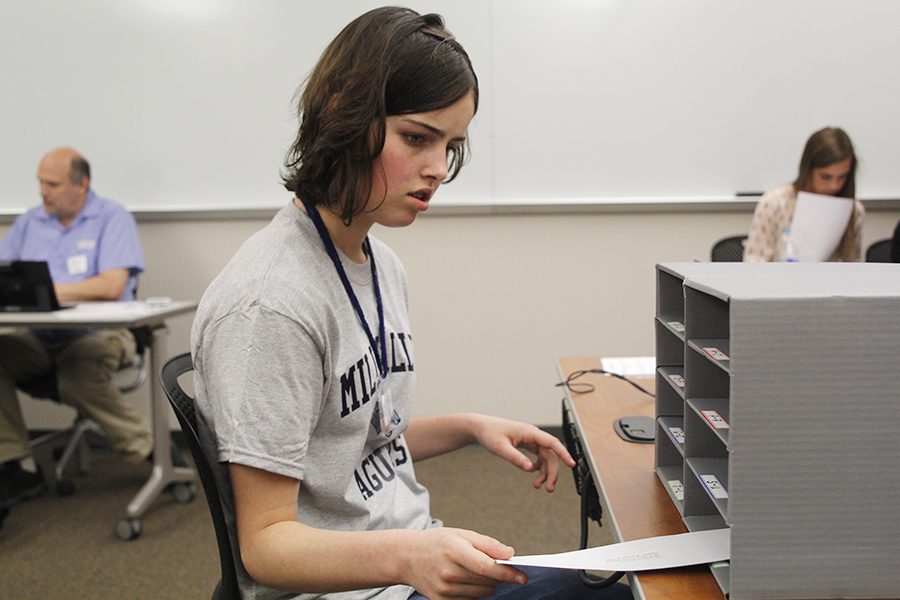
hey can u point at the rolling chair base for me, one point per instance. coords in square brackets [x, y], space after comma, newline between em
[75, 447]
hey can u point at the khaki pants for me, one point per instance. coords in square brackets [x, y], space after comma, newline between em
[84, 366]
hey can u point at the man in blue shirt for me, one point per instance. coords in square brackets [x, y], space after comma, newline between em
[93, 251]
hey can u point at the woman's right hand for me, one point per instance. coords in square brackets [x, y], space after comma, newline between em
[455, 563]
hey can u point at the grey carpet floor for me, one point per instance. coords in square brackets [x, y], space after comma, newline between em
[65, 547]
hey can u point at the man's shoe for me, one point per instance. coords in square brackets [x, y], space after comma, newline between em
[18, 485]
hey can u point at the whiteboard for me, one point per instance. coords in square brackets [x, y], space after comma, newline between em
[188, 104]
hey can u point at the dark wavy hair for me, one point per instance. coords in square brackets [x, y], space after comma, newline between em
[824, 148]
[389, 61]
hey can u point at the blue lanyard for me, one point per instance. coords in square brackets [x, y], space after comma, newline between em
[380, 353]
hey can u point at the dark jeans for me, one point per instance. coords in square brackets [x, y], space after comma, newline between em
[553, 584]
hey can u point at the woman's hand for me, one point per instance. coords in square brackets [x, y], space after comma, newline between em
[281, 552]
[504, 438]
[454, 563]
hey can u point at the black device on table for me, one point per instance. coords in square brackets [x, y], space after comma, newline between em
[26, 286]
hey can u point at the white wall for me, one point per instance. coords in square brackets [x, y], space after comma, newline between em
[182, 103]
[496, 299]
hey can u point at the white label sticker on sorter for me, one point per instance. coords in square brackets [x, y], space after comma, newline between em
[715, 353]
[714, 486]
[677, 326]
[677, 379]
[715, 419]
[678, 434]
[677, 489]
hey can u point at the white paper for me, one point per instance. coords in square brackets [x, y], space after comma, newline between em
[818, 225]
[106, 311]
[662, 552]
[630, 365]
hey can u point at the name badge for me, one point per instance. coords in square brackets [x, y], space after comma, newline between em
[85, 244]
[77, 265]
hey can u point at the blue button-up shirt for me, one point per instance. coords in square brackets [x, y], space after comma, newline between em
[102, 236]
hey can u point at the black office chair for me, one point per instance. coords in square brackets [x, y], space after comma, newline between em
[730, 249]
[879, 251]
[76, 438]
[183, 405]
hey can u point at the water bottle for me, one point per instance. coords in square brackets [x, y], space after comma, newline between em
[787, 251]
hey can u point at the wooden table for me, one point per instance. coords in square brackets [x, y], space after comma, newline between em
[634, 502]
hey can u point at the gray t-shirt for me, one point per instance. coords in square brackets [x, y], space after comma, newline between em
[286, 381]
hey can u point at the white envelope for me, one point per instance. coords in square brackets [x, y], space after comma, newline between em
[661, 552]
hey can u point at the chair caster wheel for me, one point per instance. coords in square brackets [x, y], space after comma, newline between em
[183, 492]
[65, 487]
[129, 528]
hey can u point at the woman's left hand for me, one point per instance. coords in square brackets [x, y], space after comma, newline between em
[505, 438]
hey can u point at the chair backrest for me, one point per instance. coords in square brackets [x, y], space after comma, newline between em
[183, 405]
[730, 249]
[879, 251]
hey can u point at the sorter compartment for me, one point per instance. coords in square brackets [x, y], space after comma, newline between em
[711, 474]
[672, 377]
[715, 412]
[670, 465]
[700, 439]
[717, 351]
[706, 460]
[700, 514]
[669, 347]
[702, 378]
[675, 327]
[673, 428]
[669, 400]
[705, 316]
[669, 297]
[722, 572]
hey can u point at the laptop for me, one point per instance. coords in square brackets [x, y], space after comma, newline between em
[26, 286]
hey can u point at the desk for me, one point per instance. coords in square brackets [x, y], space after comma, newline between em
[634, 502]
[128, 314]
